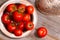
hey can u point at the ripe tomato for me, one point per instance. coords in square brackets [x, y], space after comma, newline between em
[21, 8]
[42, 32]
[21, 25]
[29, 26]
[5, 19]
[11, 7]
[11, 27]
[18, 32]
[17, 16]
[26, 17]
[30, 9]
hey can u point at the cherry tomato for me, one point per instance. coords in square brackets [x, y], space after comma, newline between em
[29, 26]
[17, 16]
[21, 25]
[11, 7]
[42, 32]
[30, 9]
[18, 32]
[21, 8]
[26, 17]
[11, 27]
[5, 19]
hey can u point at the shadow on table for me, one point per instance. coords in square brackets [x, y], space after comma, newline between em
[35, 33]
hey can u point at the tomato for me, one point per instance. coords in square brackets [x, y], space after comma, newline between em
[42, 32]
[11, 7]
[26, 17]
[21, 8]
[17, 16]
[18, 32]
[30, 9]
[29, 26]
[21, 25]
[11, 27]
[5, 19]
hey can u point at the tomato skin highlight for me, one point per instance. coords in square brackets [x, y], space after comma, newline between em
[17, 16]
[21, 8]
[42, 32]
[11, 8]
[29, 26]
[18, 32]
[21, 25]
[11, 27]
[26, 18]
[5, 19]
[30, 9]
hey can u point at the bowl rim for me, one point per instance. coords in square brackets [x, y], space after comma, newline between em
[1, 12]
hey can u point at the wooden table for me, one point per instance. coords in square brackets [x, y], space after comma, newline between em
[51, 22]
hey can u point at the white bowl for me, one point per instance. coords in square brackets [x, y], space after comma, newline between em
[3, 29]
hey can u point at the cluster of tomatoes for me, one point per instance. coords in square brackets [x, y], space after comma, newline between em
[17, 18]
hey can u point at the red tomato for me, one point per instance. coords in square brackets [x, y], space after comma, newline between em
[30, 9]
[29, 26]
[42, 32]
[21, 25]
[26, 17]
[21, 8]
[11, 27]
[18, 32]
[17, 16]
[5, 19]
[11, 7]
